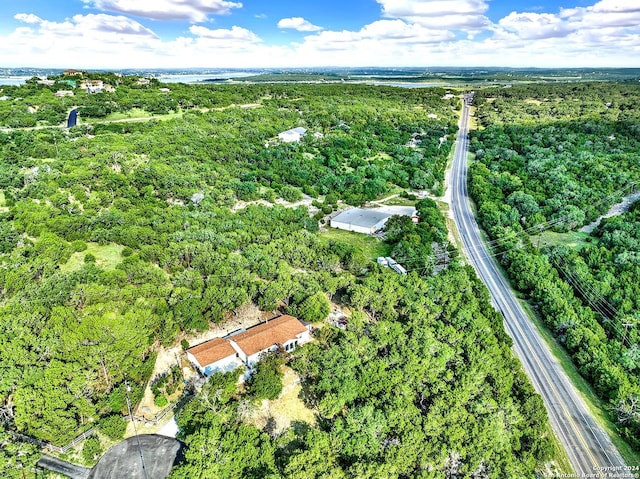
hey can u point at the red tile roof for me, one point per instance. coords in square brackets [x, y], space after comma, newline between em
[261, 337]
[212, 351]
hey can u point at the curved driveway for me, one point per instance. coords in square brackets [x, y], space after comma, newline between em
[589, 448]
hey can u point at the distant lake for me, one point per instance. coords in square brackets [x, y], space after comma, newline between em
[200, 77]
[408, 84]
[165, 78]
[13, 80]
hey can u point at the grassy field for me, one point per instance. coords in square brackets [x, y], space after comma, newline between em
[370, 246]
[133, 113]
[137, 114]
[107, 256]
[399, 201]
[573, 239]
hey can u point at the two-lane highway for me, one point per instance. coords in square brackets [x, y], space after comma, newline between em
[589, 448]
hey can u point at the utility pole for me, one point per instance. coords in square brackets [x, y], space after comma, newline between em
[135, 431]
[179, 366]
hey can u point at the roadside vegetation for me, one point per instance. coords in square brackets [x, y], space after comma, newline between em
[556, 158]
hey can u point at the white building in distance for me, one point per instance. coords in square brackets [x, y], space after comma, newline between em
[293, 135]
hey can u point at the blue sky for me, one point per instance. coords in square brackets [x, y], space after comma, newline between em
[285, 33]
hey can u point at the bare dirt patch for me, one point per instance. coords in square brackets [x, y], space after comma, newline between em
[286, 409]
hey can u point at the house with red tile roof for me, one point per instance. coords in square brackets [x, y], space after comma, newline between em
[214, 356]
[285, 332]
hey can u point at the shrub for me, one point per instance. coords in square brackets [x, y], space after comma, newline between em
[266, 382]
[78, 245]
[315, 308]
[91, 450]
[113, 426]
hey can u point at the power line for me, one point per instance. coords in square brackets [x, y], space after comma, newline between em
[582, 288]
[135, 430]
[590, 289]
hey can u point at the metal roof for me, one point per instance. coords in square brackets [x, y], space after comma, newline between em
[365, 217]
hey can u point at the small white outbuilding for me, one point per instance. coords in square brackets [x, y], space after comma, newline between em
[293, 135]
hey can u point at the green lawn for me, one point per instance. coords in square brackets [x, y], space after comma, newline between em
[133, 113]
[399, 201]
[137, 114]
[107, 256]
[370, 246]
[380, 156]
[572, 239]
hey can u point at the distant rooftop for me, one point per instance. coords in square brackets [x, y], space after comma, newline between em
[292, 135]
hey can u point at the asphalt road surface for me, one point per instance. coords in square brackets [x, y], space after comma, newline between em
[589, 448]
[64, 468]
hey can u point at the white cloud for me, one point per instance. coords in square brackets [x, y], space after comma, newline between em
[440, 14]
[606, 13]
[413, 33]
[90, 26]
[298, 23]
[80, 40]
[192, 10]
[617, 6]
[531, 26]
[384, 32]
[109, 24]
[28, 18]
[235, 34]
[399, 30]
[608, 18]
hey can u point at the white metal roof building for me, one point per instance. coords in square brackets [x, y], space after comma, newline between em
[369, 220]
[361, 220]
[295, 134]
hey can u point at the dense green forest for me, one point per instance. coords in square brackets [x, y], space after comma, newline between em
[170, 206]
[422, 384]
[557, 157]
